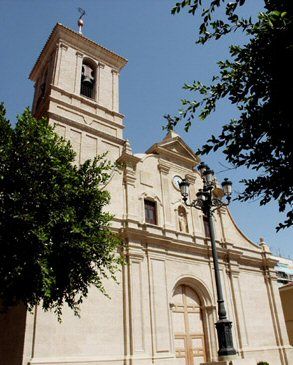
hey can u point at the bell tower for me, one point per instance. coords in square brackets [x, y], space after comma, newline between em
[77, 88]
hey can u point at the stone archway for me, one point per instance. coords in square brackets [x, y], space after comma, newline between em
[188, 326]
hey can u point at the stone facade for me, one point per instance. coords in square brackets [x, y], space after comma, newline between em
[164, 309]
[286, 293]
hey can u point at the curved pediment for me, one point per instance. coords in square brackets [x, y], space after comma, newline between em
[234, 234]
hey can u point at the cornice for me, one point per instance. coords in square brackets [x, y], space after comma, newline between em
[174, 156]
[286, 287]
[87, 101]
[128, 159]
[62, 34]
[251, 261]
[189, 247]
[178, 169]
[241, 261]
[86, 128]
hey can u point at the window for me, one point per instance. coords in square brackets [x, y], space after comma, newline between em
[150, 211]
[87, 86]
[206, 226]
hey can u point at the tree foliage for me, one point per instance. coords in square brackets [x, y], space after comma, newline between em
[55, 238]
[257, 79]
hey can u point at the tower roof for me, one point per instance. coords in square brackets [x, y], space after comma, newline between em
[80, 42]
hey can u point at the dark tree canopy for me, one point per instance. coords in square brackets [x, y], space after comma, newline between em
[55, 238]
[257, 79]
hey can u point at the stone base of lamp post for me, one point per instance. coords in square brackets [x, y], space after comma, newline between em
[224, 330]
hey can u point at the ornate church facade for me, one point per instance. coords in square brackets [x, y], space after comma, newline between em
[163, 311]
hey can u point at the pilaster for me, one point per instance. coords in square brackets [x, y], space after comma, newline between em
[233, 272]
[193, 212]
[211, 313]
[164, 169]
[128, 163]
[77, 74]
[115, 99]
[270, 279]
[100, 67]
[62, 50]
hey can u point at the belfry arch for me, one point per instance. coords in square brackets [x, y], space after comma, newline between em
[193, 318]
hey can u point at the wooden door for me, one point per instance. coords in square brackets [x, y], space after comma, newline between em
[188, 327]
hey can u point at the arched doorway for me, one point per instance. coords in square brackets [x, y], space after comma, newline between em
[189, 340]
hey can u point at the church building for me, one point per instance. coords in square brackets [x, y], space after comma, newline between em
[164, 309]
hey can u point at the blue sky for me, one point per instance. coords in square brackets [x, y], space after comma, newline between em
[162, 56]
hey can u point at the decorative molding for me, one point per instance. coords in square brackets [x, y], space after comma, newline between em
[82, 360]
[190, 178]
[85, 128]
[164, 168]
[135, 256]
[62, 34]
[175, 149]
[87, 101]
[233, 272]
[129, 177]
[63, 46]
[137, 306]
[210, 308]
[129, 160]
[160, 306]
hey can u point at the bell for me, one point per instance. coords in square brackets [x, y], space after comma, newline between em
[87, 74]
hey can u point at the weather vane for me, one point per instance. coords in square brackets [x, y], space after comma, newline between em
[80, 21]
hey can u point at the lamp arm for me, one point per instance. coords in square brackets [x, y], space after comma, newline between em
[197, 203]
[217, 203]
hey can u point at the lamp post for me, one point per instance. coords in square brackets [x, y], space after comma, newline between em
[208, 200]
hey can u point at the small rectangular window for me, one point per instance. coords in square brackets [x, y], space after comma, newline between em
[150, 212]
[206, 225]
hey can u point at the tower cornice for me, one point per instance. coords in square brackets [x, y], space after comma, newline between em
[62, 35]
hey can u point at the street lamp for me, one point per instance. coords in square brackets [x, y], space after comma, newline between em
[208, 200]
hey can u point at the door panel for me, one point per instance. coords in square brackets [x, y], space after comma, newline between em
[195, 323]
[178, 323]
[188, 327]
